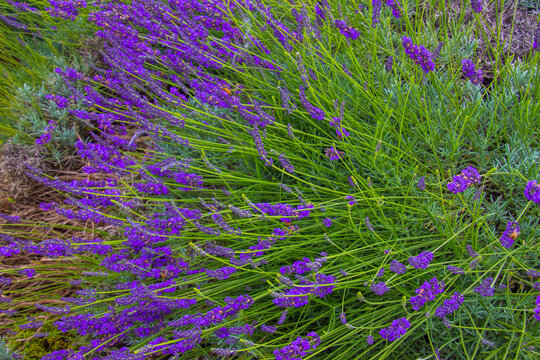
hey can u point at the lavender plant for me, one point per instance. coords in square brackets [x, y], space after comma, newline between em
[275, 192]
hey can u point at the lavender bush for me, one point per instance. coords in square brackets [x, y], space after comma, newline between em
[272, 190]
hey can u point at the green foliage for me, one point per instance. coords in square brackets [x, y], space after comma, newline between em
[30, 57]
[37, 347]
[6, 353]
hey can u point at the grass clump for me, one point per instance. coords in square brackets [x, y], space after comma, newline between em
[316, 180]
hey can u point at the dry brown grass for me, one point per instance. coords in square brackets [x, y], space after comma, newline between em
[501, 22]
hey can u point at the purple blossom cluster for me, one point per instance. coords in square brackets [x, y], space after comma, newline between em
[299, 347]
[470, 72]
[396, 330]
[476, 6]
[485, 288]
[66, 9]
[315, 112]
[395, 7]
[422, 260]
[298, 296]
[467, 178]
[376, 15]
[536, 38]
[287, 213]
[510, 234]
[450, 305]
[28, 272]
[532, 191]
[419, 54]
[426, 293]
[379, 288]
[346, 30]
[397, 267]
[455, 270]
[333, 154]
[303, 266]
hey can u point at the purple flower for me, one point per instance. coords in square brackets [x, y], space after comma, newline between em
[368, 224]
[28, 272]
[11, 218]
[380, 272]
[298, 348]
[422, 260]
[427, 292]
[533, 273]
[510, 234]
[352, 198]
[63, 355]
[397, 329]
[389, 64]
[536, 38]
[283, 317]
[455, 270]
[314, 111]
[485, 289]
[487, 342]
[268, 329]
[377, 6]
[60, 101]
[422, 183]
[327, 222]
[320, 10]
[419, 54]
[286, 100]
[299, 296]
[471, 251]
[469, 71]
[284, 161]
[32, 325]
[476, 6]
[532, 191]
[333, 154]
[397, 267]
[394, 5]
[290, 131]
[537, 309]
[223, 351]
[370, 340]
[221, 273]
[343, 318]
[46, 136]
[450, 305]
[379, 288]
[346, 30]
[465, 179]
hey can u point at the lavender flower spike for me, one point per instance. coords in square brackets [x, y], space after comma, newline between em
[510, 234]
[532, 191]
[422, 260]
[485, 289]
[464, 180]
[470, 72]
[476, 5]
[397, 329]
[377, 6]
[536, 38]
